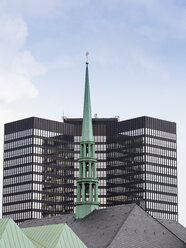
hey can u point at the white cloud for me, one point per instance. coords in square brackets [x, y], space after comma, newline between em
[15, 87]
[18, 67]
[13, 31]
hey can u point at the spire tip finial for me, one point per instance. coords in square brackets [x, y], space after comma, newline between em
[87, 53]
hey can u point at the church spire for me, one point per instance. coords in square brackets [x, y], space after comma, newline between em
[87, 182]
[87, 133]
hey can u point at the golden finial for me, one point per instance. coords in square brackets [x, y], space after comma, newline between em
[87, 57]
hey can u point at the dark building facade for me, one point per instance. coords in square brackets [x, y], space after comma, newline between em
[38, 178]
[136, 162]
[142, 166]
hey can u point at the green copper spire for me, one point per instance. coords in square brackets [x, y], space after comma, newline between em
[87, 133]
[87, 182]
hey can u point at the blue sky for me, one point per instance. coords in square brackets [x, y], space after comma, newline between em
[137, 62]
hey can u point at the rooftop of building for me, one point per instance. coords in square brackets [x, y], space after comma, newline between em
[78, 121]
[120, 226]
[49, 236]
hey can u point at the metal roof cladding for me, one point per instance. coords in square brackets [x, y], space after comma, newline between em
[11, 236]
[53, 236]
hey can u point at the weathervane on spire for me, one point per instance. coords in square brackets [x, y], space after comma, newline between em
[87, 53]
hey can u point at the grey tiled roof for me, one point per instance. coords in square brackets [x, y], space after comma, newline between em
[140, 230]
[121, 226]
[95, 230]
[176, 228]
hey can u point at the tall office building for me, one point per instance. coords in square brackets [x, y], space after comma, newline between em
[136, 162]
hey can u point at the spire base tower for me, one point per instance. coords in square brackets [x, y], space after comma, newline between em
[85, 209]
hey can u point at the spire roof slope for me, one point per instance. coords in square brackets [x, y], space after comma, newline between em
[87, 133]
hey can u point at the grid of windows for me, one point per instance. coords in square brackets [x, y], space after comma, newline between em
[142, 166]
[17, 183]
[161, 175]
[136, 162]
[58, 175]
[16, 135]
[125, 166]
[38, 159]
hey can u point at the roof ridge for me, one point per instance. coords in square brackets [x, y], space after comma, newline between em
[31, 238]
[122, 223]
[165, 220]
[103, 209]
[45, 227]
[86, 216]
[170, 231]
[163, 226]
[44, 219]
[17, 234]
[61, 227]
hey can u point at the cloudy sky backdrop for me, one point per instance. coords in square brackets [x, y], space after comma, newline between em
[137, 62]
